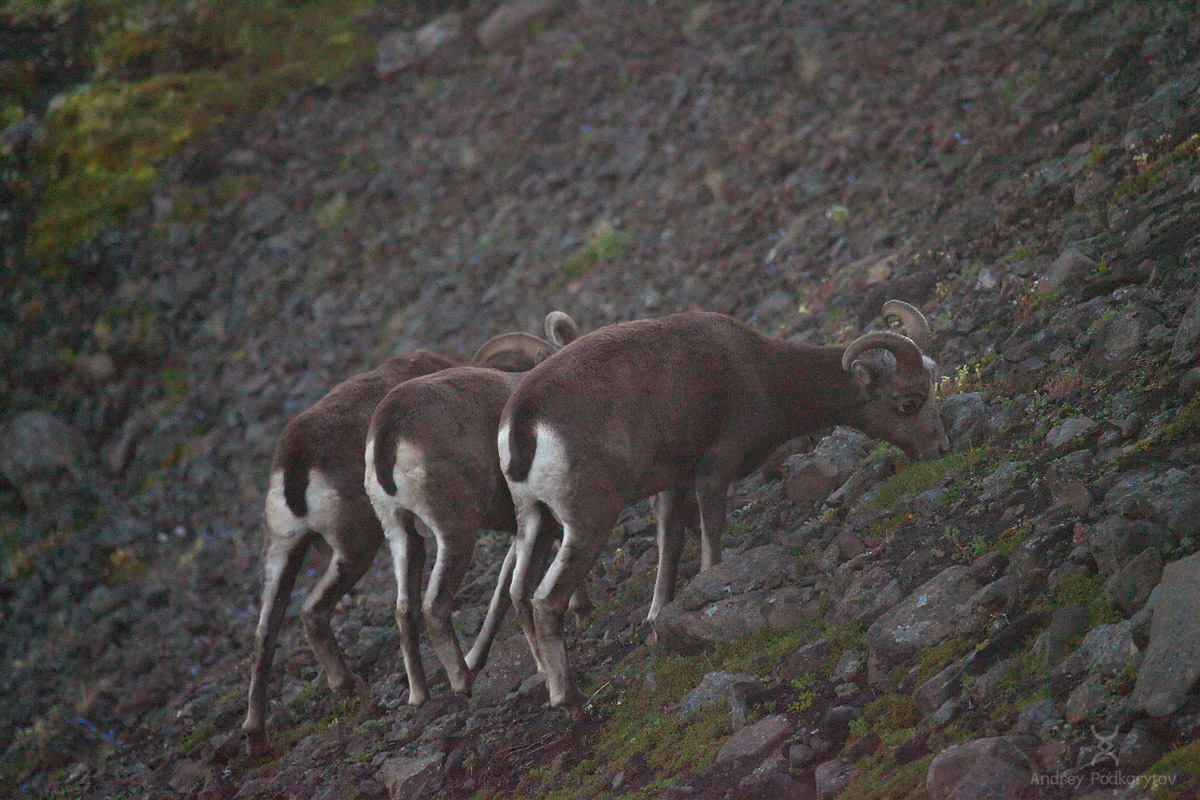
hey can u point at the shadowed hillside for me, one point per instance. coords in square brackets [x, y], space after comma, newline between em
[200, 244]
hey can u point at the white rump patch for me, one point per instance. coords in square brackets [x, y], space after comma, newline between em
[409, 475]
[324, 506]
[502, 446]
[550, 471]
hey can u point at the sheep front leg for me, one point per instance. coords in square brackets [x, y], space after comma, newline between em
[667, 507]
[710, 495]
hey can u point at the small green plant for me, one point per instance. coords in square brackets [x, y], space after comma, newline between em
[921, 475]
[806, 695]
[199, 735]
[604, 243]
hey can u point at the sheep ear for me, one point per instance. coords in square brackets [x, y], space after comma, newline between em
[863, 375]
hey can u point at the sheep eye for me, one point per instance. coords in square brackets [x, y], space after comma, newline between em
[911, 406]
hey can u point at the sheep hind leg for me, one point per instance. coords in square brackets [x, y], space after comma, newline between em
[497, 608]
[567, 572]
[532, 546]
[282, 558]
[455, 548]
[408, 563]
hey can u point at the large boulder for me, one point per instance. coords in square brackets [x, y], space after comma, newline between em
[512, 18]
[741, 595]
[936, 611]
[38, 449]
[757, 740]
[983, 769]
[812, 476]
[1172, 663]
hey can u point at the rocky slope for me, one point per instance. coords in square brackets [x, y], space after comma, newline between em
[1013, 620]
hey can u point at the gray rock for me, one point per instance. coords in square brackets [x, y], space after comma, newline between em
[1140, 749]
[847, 666]
[1124, 338]
[812, 476]
[735, 598]
[933, 693]
[1116, 541]
[400, 50]
[1039, 715]
[397, 52]
[1002, 480]
[1107, 649]
[983, 769]
[933, 613]
[869, 593]
[1187, 335]
[1172, 663]
[1068, 269]
[37, 448]
[734, 689]
[831, 777]
[770, 778]
[513, 18]
[262, 212]
[508, 664]
[1171, 498]
[1085, 699]
[1189, 383]
[945, 713]
[807, 659]
[967, 419]
[757, 740]
[1128, 588]
[800, 756]
[410, 777]
[1068, 431]
[1066, 624]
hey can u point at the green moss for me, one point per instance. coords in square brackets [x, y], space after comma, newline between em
[934, 659]
[1180, 770]
[1082, 590]
[199, 735]
[163, 76]
[921, 475]
[603, 244]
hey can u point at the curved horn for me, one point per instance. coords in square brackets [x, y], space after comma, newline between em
[908, 355]
[915, 324]
[561, 329]
[512, 342]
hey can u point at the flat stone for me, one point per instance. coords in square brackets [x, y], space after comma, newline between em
[512, 18]
[1068, 269]
[756, 740]
[870, 592]
[1128, 589]
[1069, 430]
[1116, 541]
[407, 777]
[983, 769]
[967, 419]
[1172, 664]
[932, 614]
[831, 777]
[1065, 624]
[1187, 335]
[1107, 649]
[931, 694]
